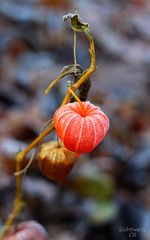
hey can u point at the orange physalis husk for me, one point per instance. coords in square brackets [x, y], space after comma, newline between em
[81, 126]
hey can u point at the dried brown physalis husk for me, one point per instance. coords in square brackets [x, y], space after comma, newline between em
[56, 161]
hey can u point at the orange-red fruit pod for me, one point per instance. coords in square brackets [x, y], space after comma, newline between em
[56, 161]
[29, 230]
[80, 127]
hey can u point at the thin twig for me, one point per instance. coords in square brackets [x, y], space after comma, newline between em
[75, 49]
[23, 171]
[86, 75]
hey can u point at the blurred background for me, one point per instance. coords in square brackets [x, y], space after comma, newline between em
[107, 195]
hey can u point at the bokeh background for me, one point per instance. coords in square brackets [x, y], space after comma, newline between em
[107, 195]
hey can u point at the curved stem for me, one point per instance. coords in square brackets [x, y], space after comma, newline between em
[51, 85]
[18, 203]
